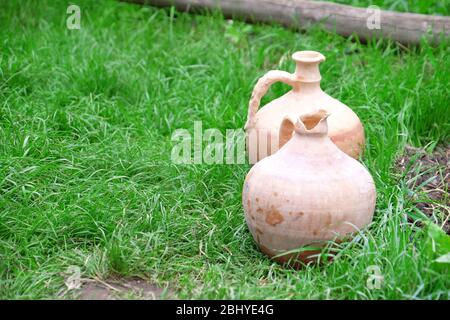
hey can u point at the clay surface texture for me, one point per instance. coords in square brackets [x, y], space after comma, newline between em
[264, 136]
[307, 193]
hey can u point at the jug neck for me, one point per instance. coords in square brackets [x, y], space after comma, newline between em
[307, 69]
[310, 134]
[307, 87]
[313, 125]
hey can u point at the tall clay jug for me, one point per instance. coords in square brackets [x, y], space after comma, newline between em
[263, 127]
[307, 193]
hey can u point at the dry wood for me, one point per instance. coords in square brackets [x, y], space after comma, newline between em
[343, 19]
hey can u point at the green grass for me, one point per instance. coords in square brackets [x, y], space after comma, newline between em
[86, 118]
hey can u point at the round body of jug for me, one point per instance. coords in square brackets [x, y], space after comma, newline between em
[306, 194]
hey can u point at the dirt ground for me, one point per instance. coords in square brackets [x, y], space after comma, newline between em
[118, 289]
[428, 178]
[114, 288]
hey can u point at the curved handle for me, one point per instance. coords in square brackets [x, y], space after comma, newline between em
[261, 88]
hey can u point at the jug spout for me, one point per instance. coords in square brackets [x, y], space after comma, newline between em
[307, 66]
[312, 125]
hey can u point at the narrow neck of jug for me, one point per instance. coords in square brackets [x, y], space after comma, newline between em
[311, 134]
[307, 68]
[313, 124]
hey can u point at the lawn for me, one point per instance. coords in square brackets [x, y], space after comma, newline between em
[86, 178]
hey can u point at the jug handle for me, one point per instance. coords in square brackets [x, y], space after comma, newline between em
[261, 88]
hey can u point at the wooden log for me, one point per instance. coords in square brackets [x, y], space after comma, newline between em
[407, 28]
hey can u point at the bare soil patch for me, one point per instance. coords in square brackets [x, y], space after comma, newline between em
[428, 178]
[119, 289]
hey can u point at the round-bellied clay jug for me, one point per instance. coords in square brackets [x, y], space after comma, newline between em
[262, 127]
[307, 193]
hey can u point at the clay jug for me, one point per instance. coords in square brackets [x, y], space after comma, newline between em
[262, 127]
[307, 193]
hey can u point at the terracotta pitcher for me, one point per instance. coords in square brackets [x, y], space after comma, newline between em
[263, 127]
[307, 193]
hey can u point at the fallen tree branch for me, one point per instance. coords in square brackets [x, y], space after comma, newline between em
[407, 28]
